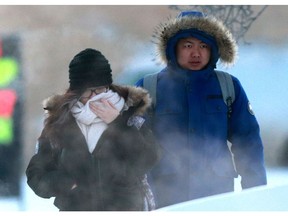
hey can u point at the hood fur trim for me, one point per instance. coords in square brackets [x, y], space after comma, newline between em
[136, 96]
[226, 43]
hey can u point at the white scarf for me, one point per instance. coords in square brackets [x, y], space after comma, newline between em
[90, 124]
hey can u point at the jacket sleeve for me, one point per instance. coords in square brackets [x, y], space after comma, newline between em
[247, 146]
[138, 144]
[43, 175]
[152, 150]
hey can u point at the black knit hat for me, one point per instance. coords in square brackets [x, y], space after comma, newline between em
[89, 68]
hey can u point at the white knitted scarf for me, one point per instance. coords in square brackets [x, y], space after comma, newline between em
[90, 124]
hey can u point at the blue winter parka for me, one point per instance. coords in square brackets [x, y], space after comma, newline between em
[190, 122]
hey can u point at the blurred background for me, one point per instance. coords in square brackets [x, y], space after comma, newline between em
[38, 42]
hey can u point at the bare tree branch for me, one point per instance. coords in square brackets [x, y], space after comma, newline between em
[237, 18]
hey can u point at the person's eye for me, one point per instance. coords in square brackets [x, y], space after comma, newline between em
[101, 89]
[86, 93]
[204, 46]
[188, 45]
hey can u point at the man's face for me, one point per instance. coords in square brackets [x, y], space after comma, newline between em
[192, 53]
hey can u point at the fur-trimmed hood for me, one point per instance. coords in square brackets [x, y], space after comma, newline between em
[136, 97]
[227, 47]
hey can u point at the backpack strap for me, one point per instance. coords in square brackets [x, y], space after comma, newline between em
[227, 88]
[150, 84]
[224, 78]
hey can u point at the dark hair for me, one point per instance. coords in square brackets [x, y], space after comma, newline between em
[61, 107]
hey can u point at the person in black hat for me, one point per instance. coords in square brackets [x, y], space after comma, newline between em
[191, 120]
[95, 148]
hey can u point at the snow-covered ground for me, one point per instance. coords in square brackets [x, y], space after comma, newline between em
[270, 198]
[28, 201]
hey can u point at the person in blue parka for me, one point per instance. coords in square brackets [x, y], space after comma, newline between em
[190, 118]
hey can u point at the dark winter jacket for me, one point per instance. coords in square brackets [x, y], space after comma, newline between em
[111, 178]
